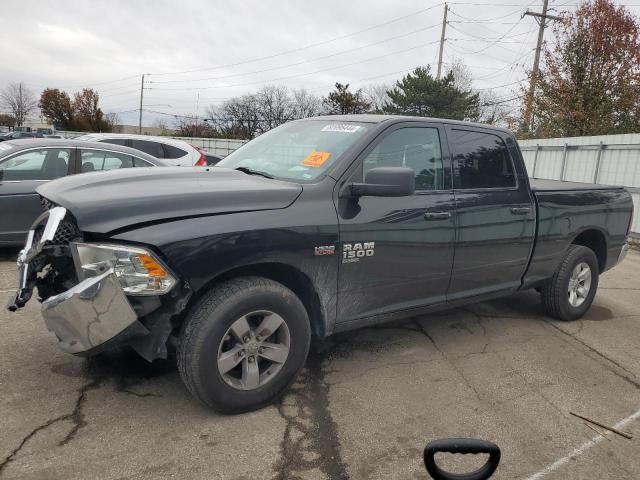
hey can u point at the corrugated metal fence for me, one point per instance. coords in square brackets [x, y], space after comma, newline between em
[607, 159]
[216, 146]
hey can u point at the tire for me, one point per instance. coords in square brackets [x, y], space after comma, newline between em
[555, 294]
[207, 337]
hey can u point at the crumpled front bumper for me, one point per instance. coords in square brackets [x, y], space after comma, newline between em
[90, 314]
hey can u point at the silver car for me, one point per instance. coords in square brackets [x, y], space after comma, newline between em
[27, 164]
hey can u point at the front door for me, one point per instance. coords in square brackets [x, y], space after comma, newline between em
[397, 252]
[20, 175]
[495, 213]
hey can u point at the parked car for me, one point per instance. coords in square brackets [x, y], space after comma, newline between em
[27, 164]
[19, 135]
[319, 226]
[212, 159]
[174, 152]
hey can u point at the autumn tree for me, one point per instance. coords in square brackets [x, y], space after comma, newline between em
[7, 120]
[589, 83]
[88, 115]
[56, 107]
[19, 101]
[343, 101]
[420, 93]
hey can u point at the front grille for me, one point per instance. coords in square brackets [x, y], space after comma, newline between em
[47, 204]
[66, 232]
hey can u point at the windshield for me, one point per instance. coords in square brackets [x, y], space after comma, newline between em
[300, 151]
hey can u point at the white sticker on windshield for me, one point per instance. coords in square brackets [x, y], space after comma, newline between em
[341, 128]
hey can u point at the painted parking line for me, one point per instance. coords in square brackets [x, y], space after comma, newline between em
[581, 449]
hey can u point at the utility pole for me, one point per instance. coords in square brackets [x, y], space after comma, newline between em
[528, 113]
[141, 96]
[444, 29]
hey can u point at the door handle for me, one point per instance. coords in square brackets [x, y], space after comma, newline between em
[437, 215]
[520, 210]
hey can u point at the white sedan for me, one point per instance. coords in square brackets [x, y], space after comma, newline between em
[172, 151]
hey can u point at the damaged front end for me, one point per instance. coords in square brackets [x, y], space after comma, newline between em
[95, 295]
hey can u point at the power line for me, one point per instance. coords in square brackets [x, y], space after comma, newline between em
[300, 62]
[502, 86]
[495, 41]
[106, 82]
[265, 82]
[306, 47]
[483, 20]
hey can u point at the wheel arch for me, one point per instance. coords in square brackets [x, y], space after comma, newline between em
[289, 276]
[596, 240]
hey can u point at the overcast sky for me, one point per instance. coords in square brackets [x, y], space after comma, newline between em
[231, 48]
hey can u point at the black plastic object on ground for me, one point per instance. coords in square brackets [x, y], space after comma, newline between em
[463, 446]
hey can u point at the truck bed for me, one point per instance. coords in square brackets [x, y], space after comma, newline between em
[543, 185]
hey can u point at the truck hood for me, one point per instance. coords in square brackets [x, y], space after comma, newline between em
[102, 202]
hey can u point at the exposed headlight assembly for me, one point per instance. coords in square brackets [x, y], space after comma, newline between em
[138, 270]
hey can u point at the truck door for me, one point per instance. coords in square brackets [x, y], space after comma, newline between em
[495, 214]
[396, 253]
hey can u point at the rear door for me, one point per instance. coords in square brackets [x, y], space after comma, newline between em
[495, 213]
[20, 175]
[396, 252]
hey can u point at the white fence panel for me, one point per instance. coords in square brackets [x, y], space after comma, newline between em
[607, 159]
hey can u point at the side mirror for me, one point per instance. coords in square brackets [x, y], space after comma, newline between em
[385, 182]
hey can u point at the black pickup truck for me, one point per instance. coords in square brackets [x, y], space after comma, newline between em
[318, 226]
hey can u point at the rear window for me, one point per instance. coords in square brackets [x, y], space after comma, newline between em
[146, 146]
[481, 160]
[115, 141]
[172, 152]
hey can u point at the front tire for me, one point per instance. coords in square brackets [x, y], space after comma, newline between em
[243, 344]
[571, 290]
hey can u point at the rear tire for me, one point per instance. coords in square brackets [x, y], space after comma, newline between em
[243, 344]
[571, 290]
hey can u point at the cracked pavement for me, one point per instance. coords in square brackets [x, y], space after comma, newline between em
[364, 407]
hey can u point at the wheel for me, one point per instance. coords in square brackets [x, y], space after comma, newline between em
[243, 344]
[570, 292]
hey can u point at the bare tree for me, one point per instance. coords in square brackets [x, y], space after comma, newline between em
[19, 100]
[305, 104]
[238, 117]
[113, 120]
[377, 95]
[162, 125]
[493, 110]
[274, 106]
[462, 76]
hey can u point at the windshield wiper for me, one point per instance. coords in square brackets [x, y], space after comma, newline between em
[251, 171]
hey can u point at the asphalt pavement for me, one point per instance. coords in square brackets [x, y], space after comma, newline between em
[364, 407]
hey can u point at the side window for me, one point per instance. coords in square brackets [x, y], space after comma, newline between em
[42, 164]
[98, 160]
[152, 148]
[115, 141]
[415, 147]
[481, 160]
[172, 152]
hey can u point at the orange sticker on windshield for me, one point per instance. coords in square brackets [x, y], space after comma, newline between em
[316, 159]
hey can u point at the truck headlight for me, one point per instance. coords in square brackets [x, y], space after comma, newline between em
[138, 270]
